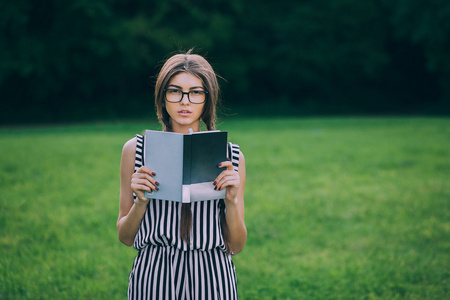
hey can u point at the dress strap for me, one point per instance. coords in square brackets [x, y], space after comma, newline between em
[233, 155]
[139, 156]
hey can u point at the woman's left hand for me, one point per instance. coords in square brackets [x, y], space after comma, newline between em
[228, 179]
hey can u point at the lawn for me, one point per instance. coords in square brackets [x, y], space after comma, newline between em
[336, 208]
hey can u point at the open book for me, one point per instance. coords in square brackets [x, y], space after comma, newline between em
[185, 164]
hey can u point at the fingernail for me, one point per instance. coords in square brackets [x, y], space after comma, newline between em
[153, 173]
[156, 182]
[214, 182]
[156, 189]
[219, 165]
[215, 188]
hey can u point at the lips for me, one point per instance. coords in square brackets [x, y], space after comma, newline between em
[184, 112]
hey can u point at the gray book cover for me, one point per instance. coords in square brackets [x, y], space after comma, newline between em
[185, 164]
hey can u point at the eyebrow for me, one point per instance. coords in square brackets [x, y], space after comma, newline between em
[191, 88]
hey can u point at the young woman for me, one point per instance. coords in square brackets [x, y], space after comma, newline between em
[184, 249]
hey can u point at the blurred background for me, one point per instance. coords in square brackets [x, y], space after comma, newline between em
[79, 60]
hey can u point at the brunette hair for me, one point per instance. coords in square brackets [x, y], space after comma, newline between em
[200, 67]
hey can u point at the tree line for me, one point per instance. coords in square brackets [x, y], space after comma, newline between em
[78, 60]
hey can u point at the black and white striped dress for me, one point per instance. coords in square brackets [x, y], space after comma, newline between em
[166, 267]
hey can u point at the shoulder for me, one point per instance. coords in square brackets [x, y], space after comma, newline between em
[130, 146]
[129, 153]
[241, 159]
[128, 159]
[241, 156]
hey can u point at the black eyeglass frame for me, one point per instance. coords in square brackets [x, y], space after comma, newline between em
[185, 93]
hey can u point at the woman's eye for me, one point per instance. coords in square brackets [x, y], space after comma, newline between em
[196, 92]
[171, 91]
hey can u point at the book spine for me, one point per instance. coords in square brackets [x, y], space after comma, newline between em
[187, 153]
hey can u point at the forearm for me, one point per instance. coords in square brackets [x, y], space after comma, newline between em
[236, 226]
[128, 225]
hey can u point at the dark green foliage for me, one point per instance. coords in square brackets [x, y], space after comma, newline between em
[76, 60]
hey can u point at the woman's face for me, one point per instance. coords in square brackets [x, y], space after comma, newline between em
[184, 114]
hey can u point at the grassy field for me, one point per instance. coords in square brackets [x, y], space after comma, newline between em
[351, 208]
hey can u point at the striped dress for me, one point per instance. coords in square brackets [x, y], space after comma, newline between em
[166, 267]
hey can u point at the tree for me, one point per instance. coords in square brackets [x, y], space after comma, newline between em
[80, 59]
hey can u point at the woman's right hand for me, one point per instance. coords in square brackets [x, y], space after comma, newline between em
[142, 180]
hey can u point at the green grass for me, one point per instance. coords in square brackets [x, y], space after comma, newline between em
[351, 208]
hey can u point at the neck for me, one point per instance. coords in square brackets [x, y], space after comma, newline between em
[185, 128]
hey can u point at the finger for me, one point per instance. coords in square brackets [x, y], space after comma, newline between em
[150, 178]
[228, 184]
[230, 180]
[226, 173]
[146, 183]
[228, 164]
[146, 170]
[141, 196]
[147, 177]
[142, 185]
[139, 188]
[224, 164]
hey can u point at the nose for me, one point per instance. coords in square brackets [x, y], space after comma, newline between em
[185, 99]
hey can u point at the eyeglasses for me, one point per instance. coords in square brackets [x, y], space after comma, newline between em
[176, 95]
